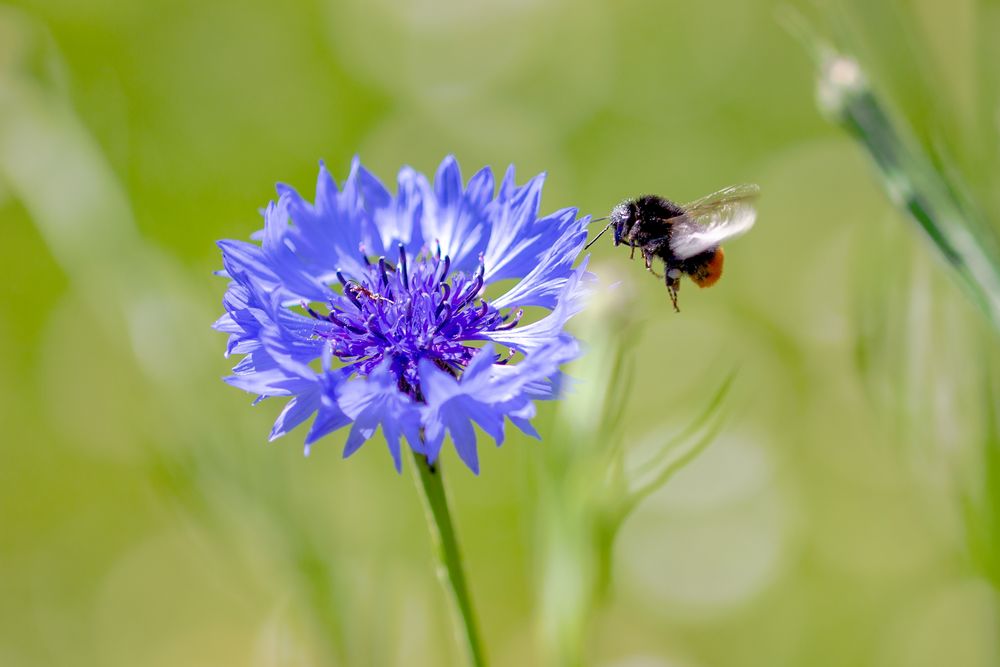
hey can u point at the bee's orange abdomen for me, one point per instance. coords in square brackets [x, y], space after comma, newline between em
[709, 273]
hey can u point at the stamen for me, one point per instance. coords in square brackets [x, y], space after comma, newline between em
[481, 313]
[447, 267]
[503, 362]
[513, 322]
[382, 271]
[372, 324]
[445, 319]
[429, 318]
[402, 265]
[312, 312]
[476, 286]
[350, 327]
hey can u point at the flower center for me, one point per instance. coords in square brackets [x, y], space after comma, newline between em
[410, 311]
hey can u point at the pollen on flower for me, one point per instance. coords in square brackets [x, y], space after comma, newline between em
[391, 290]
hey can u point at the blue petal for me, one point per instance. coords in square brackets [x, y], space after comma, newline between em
[546, 276]
[522, 417]
[448, 182]
[376, 401]
[295, 412]
[487, 416]
[517, 238]
[395, 218]
[242, 258]
[289, 265]
[456, 218]
[464, 437]
[329, 417]
[362, 430]
[482, 396]
[329, 235]
[372, 191]
[530, 337]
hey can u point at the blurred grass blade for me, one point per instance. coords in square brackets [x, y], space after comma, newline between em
[679, 450]
[52, 165]
[909, 176]
[982, 505]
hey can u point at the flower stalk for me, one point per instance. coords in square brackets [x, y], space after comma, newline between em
[450, 569]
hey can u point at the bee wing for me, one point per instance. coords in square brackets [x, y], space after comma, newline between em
[711, 220]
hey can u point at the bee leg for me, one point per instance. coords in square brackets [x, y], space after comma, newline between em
[673, 286]
[673, 297]
[649, 264]
[631, 255]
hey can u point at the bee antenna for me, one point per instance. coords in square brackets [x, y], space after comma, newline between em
[594, 240]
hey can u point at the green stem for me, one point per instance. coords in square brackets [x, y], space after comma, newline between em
[450, 560]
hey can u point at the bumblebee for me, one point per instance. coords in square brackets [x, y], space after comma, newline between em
[685, 237]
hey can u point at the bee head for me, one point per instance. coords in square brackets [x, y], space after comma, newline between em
[622, 217]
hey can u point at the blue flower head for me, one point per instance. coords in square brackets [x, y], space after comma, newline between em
[371, 309]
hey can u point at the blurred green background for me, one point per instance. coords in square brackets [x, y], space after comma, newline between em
[842, 515]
